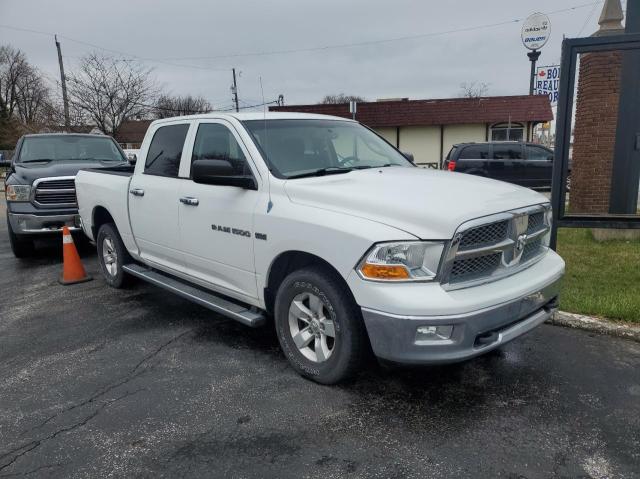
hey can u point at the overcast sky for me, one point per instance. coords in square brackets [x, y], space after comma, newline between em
[424, 67]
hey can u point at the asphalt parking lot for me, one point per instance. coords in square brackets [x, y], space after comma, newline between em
[96, 382]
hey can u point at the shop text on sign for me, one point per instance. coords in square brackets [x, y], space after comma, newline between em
[548, 82]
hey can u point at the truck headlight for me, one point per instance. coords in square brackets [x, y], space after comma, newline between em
[18, 192]
[402, 261]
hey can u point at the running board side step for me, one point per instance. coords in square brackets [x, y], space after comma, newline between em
[248, 316]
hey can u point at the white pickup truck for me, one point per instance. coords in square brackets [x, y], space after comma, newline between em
[320, 224]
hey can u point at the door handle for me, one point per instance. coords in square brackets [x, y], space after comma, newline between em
[136, 192]
[187, 200]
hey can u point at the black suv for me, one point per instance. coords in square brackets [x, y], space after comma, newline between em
[526, 164]
[40, 185]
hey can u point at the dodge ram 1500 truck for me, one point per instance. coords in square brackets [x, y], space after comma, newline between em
[39, 187]
[320, 224]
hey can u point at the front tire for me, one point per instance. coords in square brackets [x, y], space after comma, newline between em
[319, 326]
[112, 256]
[21, 246]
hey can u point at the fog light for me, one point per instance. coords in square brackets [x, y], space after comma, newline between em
[434, 333]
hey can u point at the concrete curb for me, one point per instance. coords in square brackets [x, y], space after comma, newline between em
[596, 325]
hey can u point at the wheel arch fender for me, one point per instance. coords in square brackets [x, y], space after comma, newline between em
[100, 216]
[292, 260]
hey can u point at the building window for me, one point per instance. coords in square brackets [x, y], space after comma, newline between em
[507, 132]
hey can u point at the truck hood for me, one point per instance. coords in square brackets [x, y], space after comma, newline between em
[429, 204]
[26, 173]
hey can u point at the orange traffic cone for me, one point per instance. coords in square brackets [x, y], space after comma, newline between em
[72, 271]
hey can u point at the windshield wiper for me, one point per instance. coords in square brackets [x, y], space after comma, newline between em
[367, 167]
[331, 170]
[36, 160]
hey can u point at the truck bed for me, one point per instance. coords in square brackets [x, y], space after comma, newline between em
[108, 189]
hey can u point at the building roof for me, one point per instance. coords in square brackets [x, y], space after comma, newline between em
[449, 111]
[132, 131]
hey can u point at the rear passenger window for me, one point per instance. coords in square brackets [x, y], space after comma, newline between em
[163, 158]
[507, 152]
[216, 142]
[536, 153]
[475, 152]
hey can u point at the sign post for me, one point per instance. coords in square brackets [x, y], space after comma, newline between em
[535, 34]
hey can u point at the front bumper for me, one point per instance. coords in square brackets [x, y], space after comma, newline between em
[27, 224]
[393, 337]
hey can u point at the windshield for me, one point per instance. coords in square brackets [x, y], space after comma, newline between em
[296, 148]
[69, 147]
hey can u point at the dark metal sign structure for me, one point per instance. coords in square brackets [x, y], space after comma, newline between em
[626, 163]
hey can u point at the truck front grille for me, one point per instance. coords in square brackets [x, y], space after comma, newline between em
[55, 192]
[485, 234]
[488, 249]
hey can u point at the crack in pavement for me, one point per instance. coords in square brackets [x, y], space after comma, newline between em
[26, 448]
[33, 471]
[130, 376]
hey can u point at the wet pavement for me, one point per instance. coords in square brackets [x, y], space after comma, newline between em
[97, 382]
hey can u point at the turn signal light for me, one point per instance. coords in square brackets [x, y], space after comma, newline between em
[451, 166]
[378, 271]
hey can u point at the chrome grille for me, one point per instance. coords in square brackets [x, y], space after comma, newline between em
[472, 268]
[490, 248]
[531, 250]
[483, 235]
[55, 192]
[536, 222]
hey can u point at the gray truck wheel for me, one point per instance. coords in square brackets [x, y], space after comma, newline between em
[112, 255]
[319, 326]
[21, 247]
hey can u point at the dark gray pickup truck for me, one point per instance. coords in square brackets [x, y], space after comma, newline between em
[40, 183]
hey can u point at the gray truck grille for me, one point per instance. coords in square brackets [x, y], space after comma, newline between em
[471, 268]
[52, 192]
[488, 249]
[486, 234]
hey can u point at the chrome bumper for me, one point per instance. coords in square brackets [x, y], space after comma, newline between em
[26, 224]
[393, 337]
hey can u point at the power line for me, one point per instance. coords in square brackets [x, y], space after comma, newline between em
[168, 60]
[586, 22]
[377, 42]
[110, 50]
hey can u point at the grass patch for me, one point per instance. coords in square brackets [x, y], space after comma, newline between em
[602, 278]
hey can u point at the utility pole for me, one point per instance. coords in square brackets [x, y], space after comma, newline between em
[63, 82]
[234, 89]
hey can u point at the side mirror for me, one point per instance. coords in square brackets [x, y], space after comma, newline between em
[132, 158]
[220, 172]
[409, 156]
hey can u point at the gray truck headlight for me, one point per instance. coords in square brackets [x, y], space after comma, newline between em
[18, 192]
[402, 261]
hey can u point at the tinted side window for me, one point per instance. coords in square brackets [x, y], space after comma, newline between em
[475, 152]
[507, 152]
[163, 158]
[216, 142]
[536, 153]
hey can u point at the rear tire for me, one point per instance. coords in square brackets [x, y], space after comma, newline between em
[319, 326]
[21, 246]
[112, 256]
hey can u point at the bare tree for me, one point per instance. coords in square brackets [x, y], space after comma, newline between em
[167, 105]
[33, 98]
[474, 89]
[13, 66]
[109, 90]
[340, 98]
